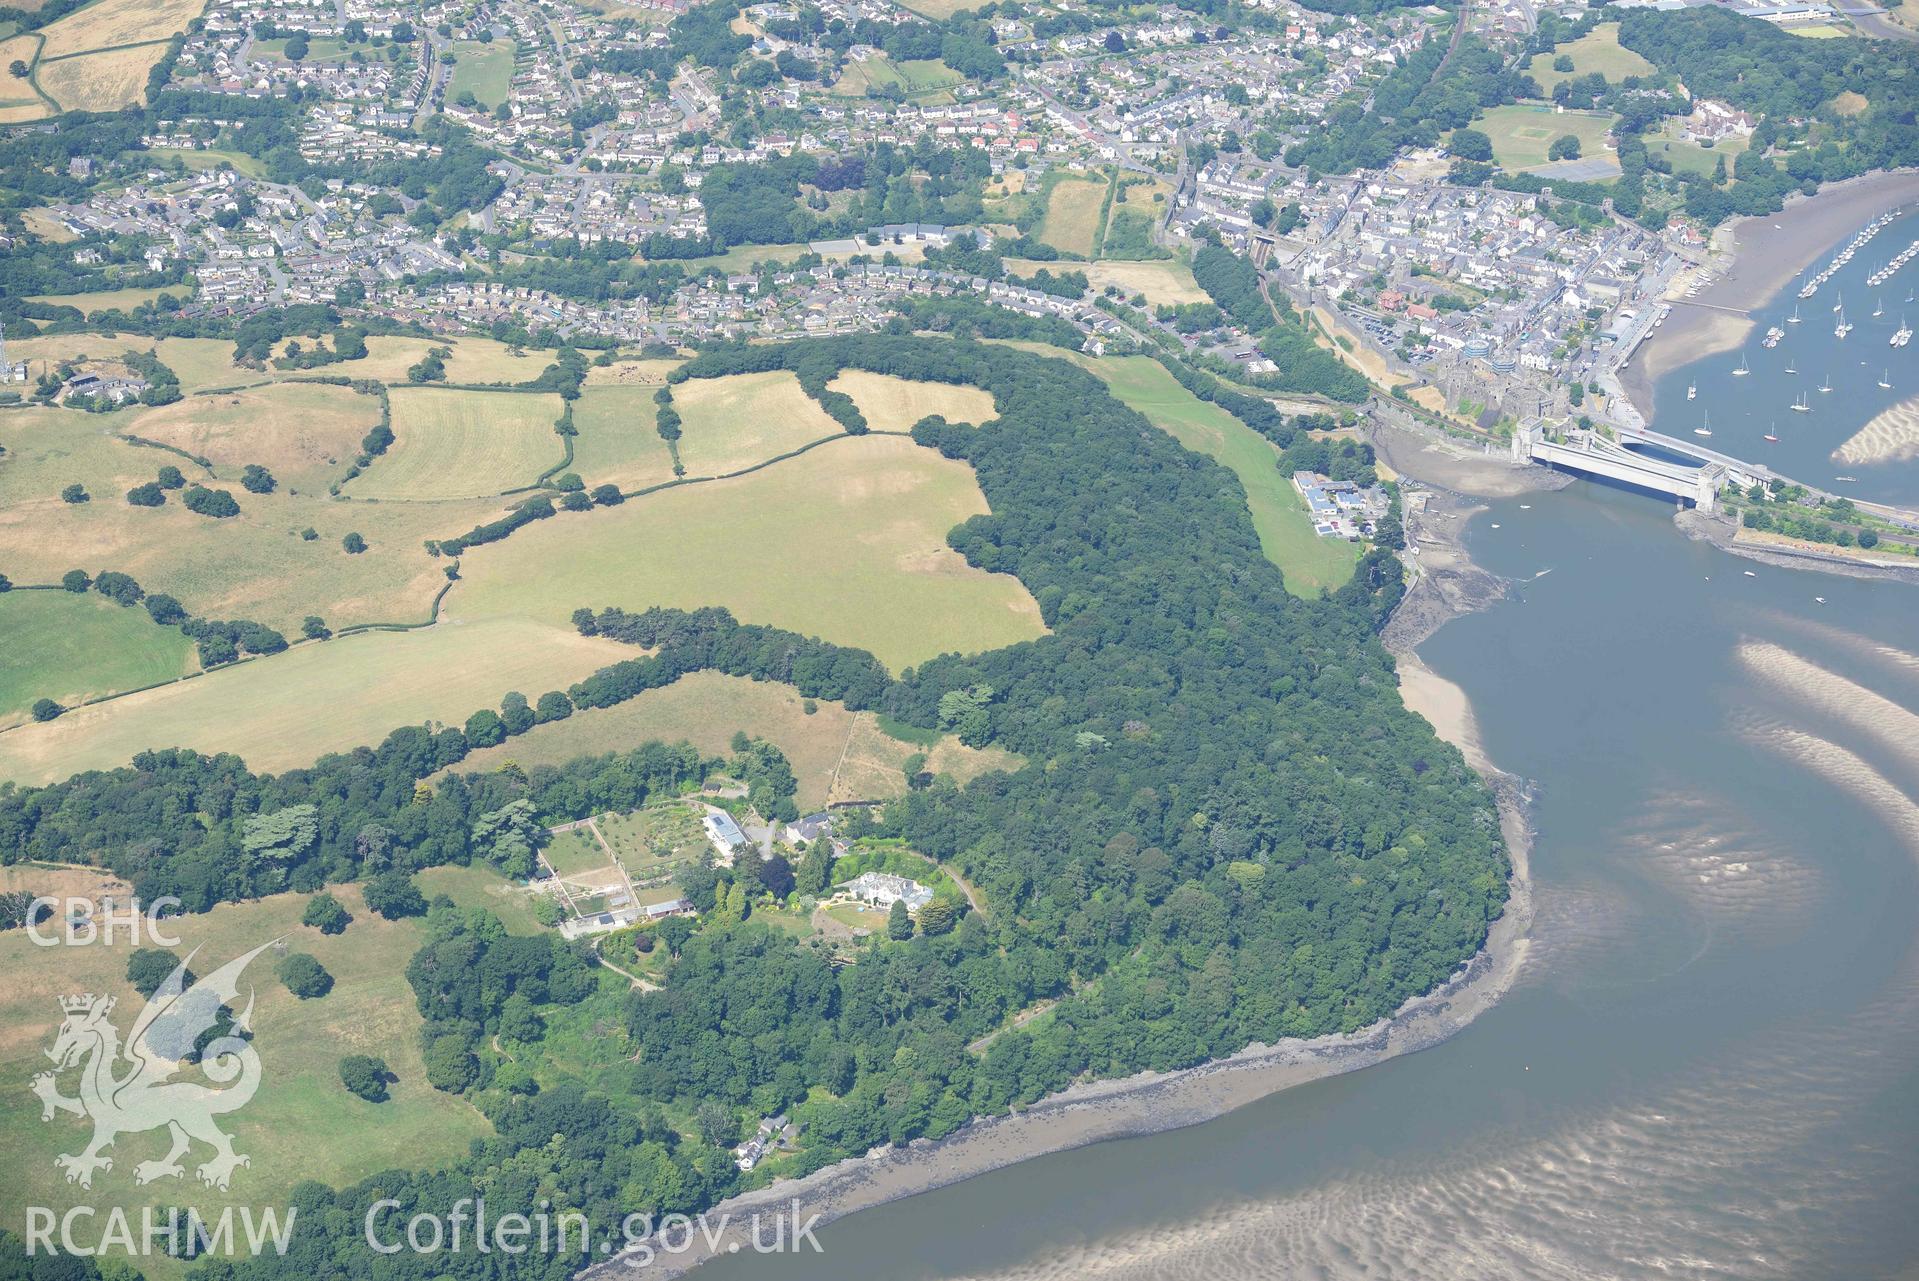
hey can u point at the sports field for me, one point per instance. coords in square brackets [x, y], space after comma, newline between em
[618, 443]
[306, 434]
[1522, 135]
[1598, 50]
[742, 419]
[302, 1123]
[69, 647]
[895, 404]
[846, 542]
[291, 708]
[1072, 215]
[911, 76]
[1279, 516]
[462, 444]
[483, 70]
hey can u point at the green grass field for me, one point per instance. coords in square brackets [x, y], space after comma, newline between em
[1690, 157]
[211, 158]
[114, 300]
[481, 886]
[617, 443]
[911, 76]
[462, 444]
[302, 1123]
[846, 542]
[483, 70]
[1522, 135]
[1072, 215]
[1598, 50]
[289, 709]
[1279, 517]
[70, 647]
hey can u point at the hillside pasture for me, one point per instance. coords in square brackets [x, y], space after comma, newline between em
[618, 443]
[71, 647]
[104, 81]
[743, 419]
[255, 565]
[846, 542]
[1599, 51]
[462, 444]
[631, 373]
[1072, 215]
[1286, 534]
[306, 434]
[895, 404]
[1523, 135]
[289, 709]
[302, 1124]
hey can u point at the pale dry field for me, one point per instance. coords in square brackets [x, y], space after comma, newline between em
[895, 404]
[742, 419]
[845, 542]
[1072, 215]
[462, 444]
[619, 441]
[287, 710]
[306, 434]
[107, 23]
[104, 81]
[478, 361]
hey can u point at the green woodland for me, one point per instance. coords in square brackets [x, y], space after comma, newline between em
[1231, 830]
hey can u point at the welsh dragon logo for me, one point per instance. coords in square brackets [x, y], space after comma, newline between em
[129, 1090]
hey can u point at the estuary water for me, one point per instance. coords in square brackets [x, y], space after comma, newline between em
[1709, 1066]
[1812, 445]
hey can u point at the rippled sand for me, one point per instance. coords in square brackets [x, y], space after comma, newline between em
[1892, 436]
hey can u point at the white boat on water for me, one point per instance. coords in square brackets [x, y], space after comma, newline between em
[1772, 434]
[1692, 391]
[1826, 385]
[1704, 428]
[1794, 318]
[1743, 369]
[1879, 309]
[1885, 379]
[1802, 405]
